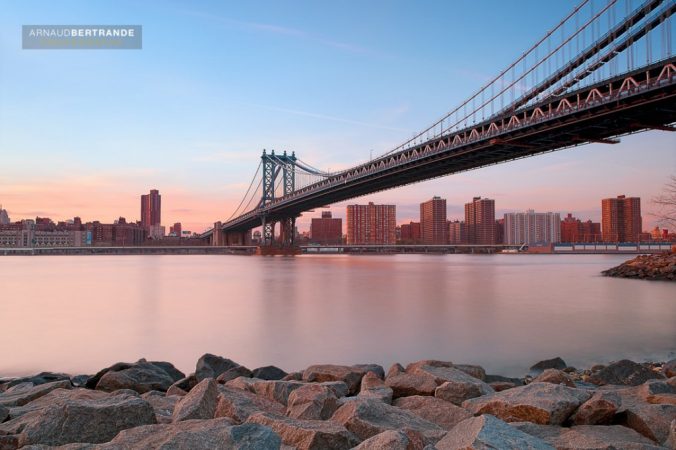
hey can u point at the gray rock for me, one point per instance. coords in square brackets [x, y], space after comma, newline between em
[141, 377]
[269, 373]
[542, 403]
[652, 421]
[238, 404]
[294, 376]
[276, 390]
[4, 413]
[80, 415]
[231, 374]
[40, 378]
[404, 384]
[657, 391]
[307, 434]
[162, 404]
[183, 386]
[21, 394]
[598, 410]
[588, 437]
[489, 432]
[168, 367]
[375, 368]
[211, 366]
[329, 372]
[339, 388]
[669, 368]
[554, 363]
[473, 370]
[79, 380]
[312, 402]
[435, 410]
[671, 440]
[460, 387]
[624, 372]
[499, 378]
[390, 439]
[196, 435]
[199, 403]
[368, 417]
[374, 387]
[554, 376]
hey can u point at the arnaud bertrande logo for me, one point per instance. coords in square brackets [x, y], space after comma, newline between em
[74, 37]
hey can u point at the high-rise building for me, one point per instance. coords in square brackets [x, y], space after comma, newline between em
[574, 230]
[151, 210]
[176, 229]
[371, 224]
[480, 221]
[457, 233]
[326, 230]
[410, 233]
[621, 219]
[532, 228]
[4, 217]
[433, 226]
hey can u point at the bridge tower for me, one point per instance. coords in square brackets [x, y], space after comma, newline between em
[274, 166]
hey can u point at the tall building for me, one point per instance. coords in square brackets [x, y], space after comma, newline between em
[326, 230]
[410, 233]
[176, 229]
[532, 228]
[574, 230]
[4, 217]
[371, 224]
[480, 221]
[621, 219]
[151, 209]
[433, 226]
[457, 233]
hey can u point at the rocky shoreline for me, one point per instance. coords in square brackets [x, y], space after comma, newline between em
[428, 405]
[660, 266]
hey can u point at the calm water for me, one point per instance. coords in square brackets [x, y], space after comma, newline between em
[79, 314]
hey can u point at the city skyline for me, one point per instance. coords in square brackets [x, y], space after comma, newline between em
[323, 104]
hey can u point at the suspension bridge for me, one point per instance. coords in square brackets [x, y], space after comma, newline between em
[608, 69]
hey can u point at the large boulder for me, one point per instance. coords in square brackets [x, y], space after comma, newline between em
[140, 377]
[657, 391]
[473, 370]
[168, 367]
[554, 363]
[275, 390]
[374, 387]
[598, 410]
[312, 402]
[390, 440]
[489, 432]
[307, 434]
[196, 435]
[404, 384]
[350, 375]
[80, 415]
[542, 403]
[238, 404]
[211, 366]
[459, 387]
[269, 373]
[235, 372]
[162, 404]
[624, 372]
[588, 437]
[554, 376]
[367, 417]
[652, 421]
[435, 410]
[199, 403]
[21, 394]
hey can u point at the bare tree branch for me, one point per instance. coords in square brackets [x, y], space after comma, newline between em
[666, 203]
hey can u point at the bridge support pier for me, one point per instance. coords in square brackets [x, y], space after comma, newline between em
[288, 231]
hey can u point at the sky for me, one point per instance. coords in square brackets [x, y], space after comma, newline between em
[86, 132]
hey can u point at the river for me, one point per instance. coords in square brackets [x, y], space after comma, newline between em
[78, 314]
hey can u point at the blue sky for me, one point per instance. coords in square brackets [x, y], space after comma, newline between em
[85, 132]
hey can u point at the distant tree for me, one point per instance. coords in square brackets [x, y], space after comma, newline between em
[666, 203]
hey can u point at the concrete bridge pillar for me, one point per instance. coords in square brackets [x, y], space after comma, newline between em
[217, 236]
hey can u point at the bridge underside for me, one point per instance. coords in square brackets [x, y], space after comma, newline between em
[583, 122]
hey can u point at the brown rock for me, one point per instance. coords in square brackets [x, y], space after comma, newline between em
[183, 386]
[489, 432]
[475, 371]
[391, 440]
[307, 434]
[374, 387]
[80, 415]
[211, 366]
[23, 393]
[141, 377]
[460, 387]
[671, 440]
[312, 402]
[598, 410]
[368, 417]
[435, 410]
[658, 392]
[328, 372]
[669, 368]
[554, 363]
[231, 374]
[588, 437]
[624, 372]
[276, 390]
[4, 413]
[542, 403]
[294, 376]
[162, 404]
[238, 404]
[199, 403]
[501, 385]
[554, 376]
[652, 421]
[395, 369]
[375, 368]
